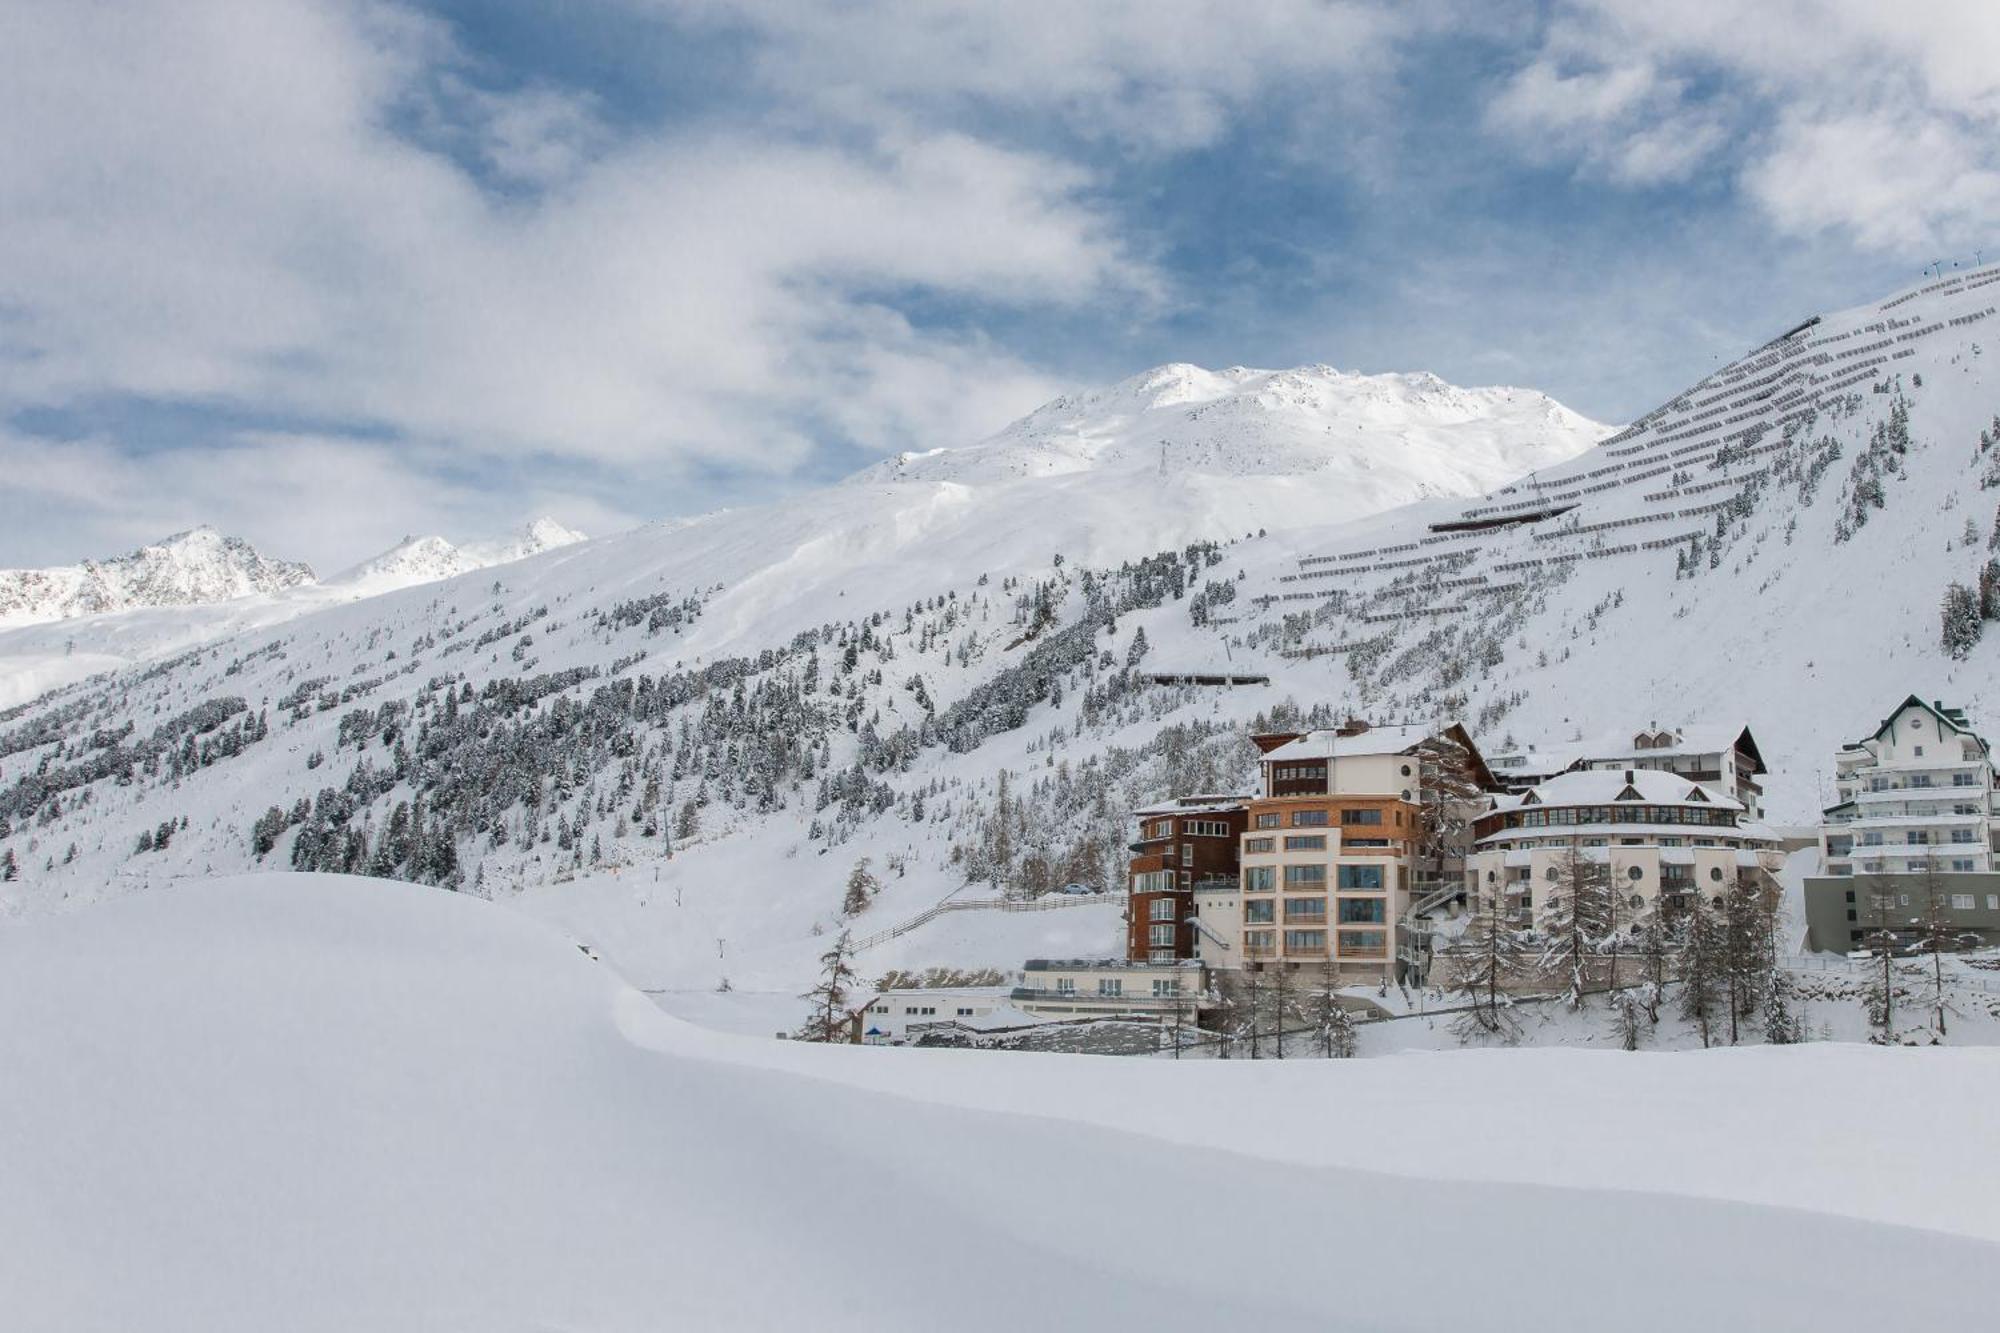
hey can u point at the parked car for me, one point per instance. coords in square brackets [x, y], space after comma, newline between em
[1078, 888]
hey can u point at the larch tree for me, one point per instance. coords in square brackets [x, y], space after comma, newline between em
[1574, 921]
[1935, 934]
[862, 886]
[1333, 1025]
[830, 1020]
[1484, 960]
[1699, 957]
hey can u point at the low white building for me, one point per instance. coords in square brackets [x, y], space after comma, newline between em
[888, 1018]
[1082, 987]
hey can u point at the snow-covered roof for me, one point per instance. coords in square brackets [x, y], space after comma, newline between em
[1331, 744]
[1606, 747]
[1193, 805]
[1604, 786]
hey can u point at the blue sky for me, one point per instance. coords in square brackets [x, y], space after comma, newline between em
[328, 272]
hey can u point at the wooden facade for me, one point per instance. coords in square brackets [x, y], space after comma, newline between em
[1179, 847]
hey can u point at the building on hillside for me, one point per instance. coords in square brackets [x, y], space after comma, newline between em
[1109, 987]
[1918, 815]
[1357, 827]
[1722, 757]
[1657, 834]
[1184, 848]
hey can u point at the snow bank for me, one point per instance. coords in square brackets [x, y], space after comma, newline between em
[303, 1102]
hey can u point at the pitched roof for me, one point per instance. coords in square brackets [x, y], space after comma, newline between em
[1330, 744]
[1603, 786]
[1949, 717]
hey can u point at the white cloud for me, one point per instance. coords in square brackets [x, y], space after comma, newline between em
[209, 205]
[1881, 121]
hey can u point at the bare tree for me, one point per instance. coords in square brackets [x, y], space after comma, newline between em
[1881, 990]
[1333, 1023]
[1935, 933]
[1574, 920]
[1699, 958]
[1484, 960]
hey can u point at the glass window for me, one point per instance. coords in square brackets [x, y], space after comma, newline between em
[1360, 816]
[1267, 820]
[1305, 941]
[1256, 846]
[1260, 913]
[1308, 819]
[1364, 942]
[1303, 909]
[1110, 987]
[1313, 875]
[1961, 902]
[1361, 877]
[1166, 989]
[1160, 937]
[1260, 879]
[1162, 909]
[1363, 911]
[1306, 842]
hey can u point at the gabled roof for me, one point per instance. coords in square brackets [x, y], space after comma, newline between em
[1346, 742]
[1615, 747]
[1599, 786]
[1953, 718]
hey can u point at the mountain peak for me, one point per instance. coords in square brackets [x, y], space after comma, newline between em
[189, 568]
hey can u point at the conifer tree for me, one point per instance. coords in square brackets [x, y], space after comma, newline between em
[10, 869]
[1960, 621]
[829, 1020]
[1935, 934]
[1699, 958]
[1484, 960]
[1332, 1023]
[1575, 919]
[862, 886]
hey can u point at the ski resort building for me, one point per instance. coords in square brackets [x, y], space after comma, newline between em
[1721, 756]
[1110, 987]
[1185, 848]
[1356, 827]
[1917, 813]
[1657, 834]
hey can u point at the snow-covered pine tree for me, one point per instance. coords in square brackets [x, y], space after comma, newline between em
[830, 1020]
[1960, 622]
[1333, 1025]
[1574, 921]
[10, 869]
[862, 886]
[1935, 934]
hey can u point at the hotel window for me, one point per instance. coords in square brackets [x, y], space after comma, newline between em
[1962, 866]
[1363, 911]
[1364, 941]
[1162, 909]
[1187, 853]
[1161, 937]
[1258, 846]
[965, 1013]
[1260, 879]
[1166, 989]
[1367, 878]
[1961, 902]
[1260, 913]
[1961, 835]
[1065, 985]
[1110, 987]
[1360, 816]
[1207, 828]
[1305, 909]
[1993, 902]
[1313, 842]
[1303, 875]
[1308, 819]
[1305, 941]
[1267, 820]
[1258, 941]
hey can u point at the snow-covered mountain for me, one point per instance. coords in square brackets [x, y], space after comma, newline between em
[427, 559]
[773, 694]
[187, 569]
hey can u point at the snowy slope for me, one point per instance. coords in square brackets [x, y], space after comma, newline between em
[306, 1103]
[849, 674]
[187, 569]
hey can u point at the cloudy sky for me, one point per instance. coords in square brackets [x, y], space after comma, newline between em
[327, 272]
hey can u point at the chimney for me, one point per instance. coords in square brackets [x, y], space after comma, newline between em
[1628, 777]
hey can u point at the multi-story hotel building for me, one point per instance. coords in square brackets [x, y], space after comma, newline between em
[1335, 842]
[1657, 833]
[1916, 801]
[1186, 849]
[1722, 757]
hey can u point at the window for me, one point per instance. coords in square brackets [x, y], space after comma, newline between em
[1961, 780]
[1917, 837]
[1364, 942]
[1962, 866]
[1258, 846]
[1360, 816]
[1187, 853]
[1305, 875]
[1260, 913]
[1305, 941]
[1306, 842]
[1166, 988]
[1161, 936]
[1206, 828]
[1065, 985]
[1961, 902]
[1361, 878]
[1153, 881]
[1267, 820]
[1110, 988]
[1363, 911]
[1364, 842]
[1260, 879]
[1993, 902]
[965, 1013]
[1305, 909]
[1919, 752]
[1308, 819]
[1258, 941]
[1961, 835]
[1162, 909]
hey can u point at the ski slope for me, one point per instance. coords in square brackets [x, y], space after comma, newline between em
[298, 1102]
